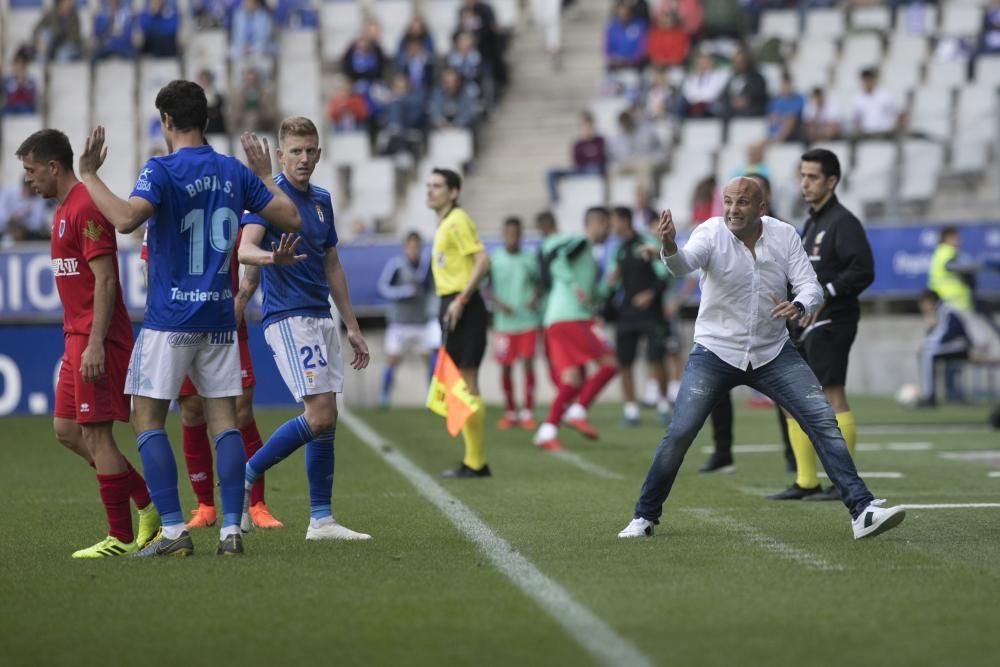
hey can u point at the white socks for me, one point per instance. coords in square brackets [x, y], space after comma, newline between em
[174, 531]
[575, 411]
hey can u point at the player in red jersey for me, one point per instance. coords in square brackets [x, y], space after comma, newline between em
[90, 393]
[194, 428]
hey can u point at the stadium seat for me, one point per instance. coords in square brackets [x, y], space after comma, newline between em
[900, 77]
[154, 73]
[730, 163]
[17, 26]
[576, 195]
[676, 193]
[393, 17]
[930, 114]
[810, 75]
[969, 152]
[922, 162]
[772, 73]
[340, 22]
[960, 20]
[450, 146]
[987, 71]
[873, 173]
[862, 50]
[816, 52]
[621, 190]
[348, 148]
[415, 214]
[507, 12]
[977, 108]
[916, 19]
[691, 161]
[298, 46]
[825, 23]
[326, 177]
[114, 94]
[299, 85]
[947, 73]
[780, 24]
[69, 100]
[702, 133]
[871, 18]
[373, 188]
[605, 111]
[782, 160]
[908, 48]
[13, 130]
[207, 49]
[744, 131]
[441, 17]
[842, 149]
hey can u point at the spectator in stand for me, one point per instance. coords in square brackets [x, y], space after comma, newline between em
[216, 103]
[296, 14]
[668, 42]
[405, 121]
[705, 201]
[417, 63]
[57, 34]
[254, 107]
[821, 119]
[416, 29]
[635, 150]
[346, 110]
[468, 62]
[478, 18]
[451, 104]
[211, 14]
[252, 36]
[702, 87]
[23, 214]
[689, 12]
[661, 98]
[625, 39]
[115, 31]
[159, 23]
[589, 156]
[364, 62]
[877, 114]
[547, 15]
[745, 94]
[644, 215]
[784, 113]
[723, 18]
[19, 88]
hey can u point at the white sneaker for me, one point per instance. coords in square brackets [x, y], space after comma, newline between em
[638, 527]
[545, 433]
[575, 411]
[329, 529]
[874, 520]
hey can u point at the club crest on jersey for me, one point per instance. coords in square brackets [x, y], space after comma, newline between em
[62, 227]
[92, 230]
[319, 213]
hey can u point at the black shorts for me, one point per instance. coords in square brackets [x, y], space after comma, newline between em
[466, 345]
[627, 338]
[827, 348]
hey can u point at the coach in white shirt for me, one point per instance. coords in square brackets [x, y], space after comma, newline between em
[747, 261]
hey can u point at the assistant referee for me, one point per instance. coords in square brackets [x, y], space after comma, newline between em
[839, 252]
[459, 264]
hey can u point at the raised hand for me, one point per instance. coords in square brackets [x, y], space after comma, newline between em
[94, 153]
[258, 155]
[283, 253]
[667, 232]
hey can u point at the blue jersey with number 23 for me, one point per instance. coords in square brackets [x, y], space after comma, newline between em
[198, 198]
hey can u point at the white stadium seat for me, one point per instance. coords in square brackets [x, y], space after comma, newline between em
[916, 19]
[621, 190]
[393, 17]
[154, 74]
[899, 77]
[816, 52]
[969, 153]
[808, 75]
[15, 128]
[922, 163]
[930, 114]
[827, 23]
[871, 177]
[348, 148]
[69, 100]
[576, 195]
[298, 46]
[842, 149]
[606, 111]
[987, 71]
[730, 163]
[507, 12]
[862, 50]
[373, 188]
[702, 133]
[744, 131]
[17, 26]
[340, 22]
[782, 160]
[977, 108]
[947, 73]
[441, 17]
[907, 47]
[299, 86]
[781, 24]
[871, 18]
[960, 20]
[450, 146]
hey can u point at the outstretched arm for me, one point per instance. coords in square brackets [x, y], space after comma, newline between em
[124, 215]
[281, 253]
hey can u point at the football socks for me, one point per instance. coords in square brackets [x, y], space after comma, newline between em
[161, 478]
[286, 439]
[845, 420]
[230, 463]
[319, 471]
[472, 433]
[251, 445]
[805, 456]
[198, 458]
[115, 496]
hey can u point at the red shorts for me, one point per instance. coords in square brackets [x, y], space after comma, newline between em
[92, 403]
[509, 347]
[246, 372]
[572, 344]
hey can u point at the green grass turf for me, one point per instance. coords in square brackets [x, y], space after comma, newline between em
[705, 590]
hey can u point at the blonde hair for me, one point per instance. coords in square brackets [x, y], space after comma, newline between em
[297, 126]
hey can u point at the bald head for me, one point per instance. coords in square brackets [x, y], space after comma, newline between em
[746, 186]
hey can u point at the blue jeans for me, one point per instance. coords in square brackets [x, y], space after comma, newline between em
[788, 381]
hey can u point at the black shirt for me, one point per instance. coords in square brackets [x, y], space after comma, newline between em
[637, 275]
[840, 254]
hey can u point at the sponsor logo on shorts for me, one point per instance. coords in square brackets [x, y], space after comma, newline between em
[222, 338]
[85, 407]
[185, 339]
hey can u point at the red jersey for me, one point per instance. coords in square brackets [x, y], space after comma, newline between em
[80, 234]
[234, 277]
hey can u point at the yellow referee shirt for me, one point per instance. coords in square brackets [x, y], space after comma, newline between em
[455, 243]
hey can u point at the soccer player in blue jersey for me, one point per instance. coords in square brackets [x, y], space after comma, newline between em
[298, 324]
[192, 199]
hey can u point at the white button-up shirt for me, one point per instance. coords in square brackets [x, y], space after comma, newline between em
[734, 318]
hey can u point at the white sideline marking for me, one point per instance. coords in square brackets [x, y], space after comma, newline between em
[594, 635]
[768, 543]
[995, 473]
[862, 447]
[902, 429]
[873, 475]
[583, 464]
[953, 506]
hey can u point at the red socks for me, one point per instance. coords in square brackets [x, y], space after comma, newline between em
[251, 443]
[529, 389]
[136, 486]
[115, 496]
[507, 381]
[563, 400]
[198, 457]
[594, 385]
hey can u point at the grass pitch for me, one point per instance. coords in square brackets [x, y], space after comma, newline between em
[729, 579]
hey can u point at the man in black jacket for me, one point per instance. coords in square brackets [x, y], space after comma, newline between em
[839, 251]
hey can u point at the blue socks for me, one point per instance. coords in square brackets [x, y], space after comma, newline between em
[319, 470]
[230, 462]
[290, 436]
[160, 469]
[386, 391]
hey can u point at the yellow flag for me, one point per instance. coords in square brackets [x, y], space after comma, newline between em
[449, 396]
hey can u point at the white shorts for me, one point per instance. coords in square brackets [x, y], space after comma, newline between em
[307, 353]
[400, 338]
[161, 359]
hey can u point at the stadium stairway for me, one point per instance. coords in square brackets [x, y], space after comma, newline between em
[535, 126]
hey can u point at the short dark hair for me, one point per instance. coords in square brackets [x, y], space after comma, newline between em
[185, 102]
[828, 162]
[598, 210]
[763, 180]
[451, 178]
[623, 212]
[947, 231]
[48, 145]
[929, 295]
[869, 73]
[413, 235]
[545, 220]
[512, 221]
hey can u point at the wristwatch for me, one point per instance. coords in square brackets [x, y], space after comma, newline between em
[800, 307]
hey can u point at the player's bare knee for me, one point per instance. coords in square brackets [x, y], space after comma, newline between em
[97, 438]
[571, 377]
[192, 411]
[67, 432]
[321, 412]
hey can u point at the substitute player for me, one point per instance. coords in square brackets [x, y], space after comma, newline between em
[98, 341]
[460, 263]
[406, 283]
[299, 275]
[839, 252]
[514, 294]
[192, 199]
[571, 340]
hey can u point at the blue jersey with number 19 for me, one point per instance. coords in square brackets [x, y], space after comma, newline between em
[198, 197]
